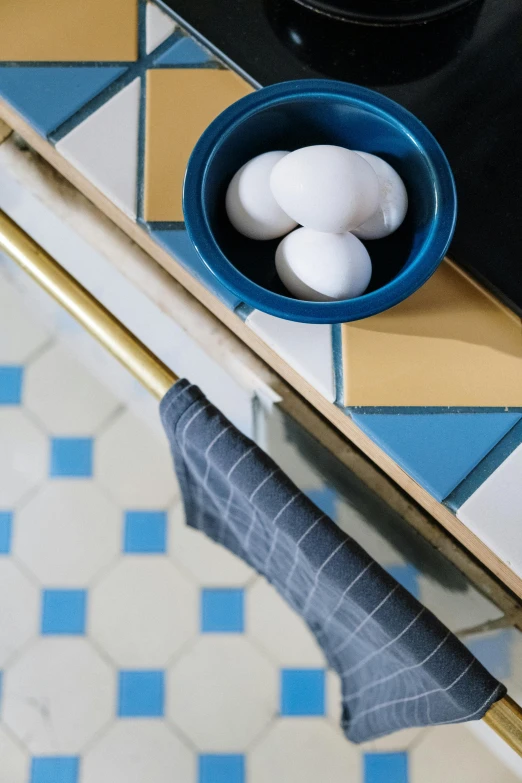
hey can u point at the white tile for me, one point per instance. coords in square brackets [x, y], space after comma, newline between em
[334, 707]
[23, 456]
[58, 695]
[280, 630]
[452, 753]
[222, 693]
[305, 347]
[298, 750]
[19, 610]
[67, 532]
[494, 511]
[14, 761]
[210, 563]
[143, 611]
[457, 610]
[64, 396]
[398, 741]
[20, 333]
[134, 465]
[135, 751]
[104, 147]
[159, 26]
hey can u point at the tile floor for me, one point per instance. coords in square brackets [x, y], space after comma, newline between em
[132, 649]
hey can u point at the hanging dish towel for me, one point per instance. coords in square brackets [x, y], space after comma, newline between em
[399, 666]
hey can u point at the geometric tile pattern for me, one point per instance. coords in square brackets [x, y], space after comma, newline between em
[439, 449]
[124, 93]
[134, 649]
[449, 344]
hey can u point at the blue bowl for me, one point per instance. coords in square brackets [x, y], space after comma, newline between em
[316, 111]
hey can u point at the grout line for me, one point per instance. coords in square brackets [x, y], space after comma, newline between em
[142, 29]
[337, 351]
[67, 64]
[498, 454]
[165, 225]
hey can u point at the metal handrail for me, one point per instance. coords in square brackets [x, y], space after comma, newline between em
[504, 717]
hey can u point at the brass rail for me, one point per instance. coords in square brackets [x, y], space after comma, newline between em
[504, 717]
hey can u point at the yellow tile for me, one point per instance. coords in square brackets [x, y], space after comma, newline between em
[451, 343]
[181, 103]
[68, 30]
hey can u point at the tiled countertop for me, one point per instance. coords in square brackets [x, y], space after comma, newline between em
[432, 390]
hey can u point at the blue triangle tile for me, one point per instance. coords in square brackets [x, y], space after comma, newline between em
[47, 96]
[178, 244]
[184, 52]
[438, 450]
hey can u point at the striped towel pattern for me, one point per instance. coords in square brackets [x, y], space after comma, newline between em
[399, 666]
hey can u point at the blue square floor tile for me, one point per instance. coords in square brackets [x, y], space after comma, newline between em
[141, 693]
[386, 768]
[6, 529]
[222, 610]
[71, 457]
[302, 692]
[325, 499]
[11, 385]
[407, 576]
[221, 768]
[63, 611]
[145, 532]
[55, 769]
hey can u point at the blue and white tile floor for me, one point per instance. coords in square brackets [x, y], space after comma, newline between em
[134, 650]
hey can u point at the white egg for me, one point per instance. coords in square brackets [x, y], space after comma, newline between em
[322, 267]
[251, 207]
[325, 188]
[393, 201]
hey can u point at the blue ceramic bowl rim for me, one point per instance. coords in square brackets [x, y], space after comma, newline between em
[400, 287]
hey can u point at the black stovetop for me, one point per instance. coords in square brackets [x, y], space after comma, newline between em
[461, 75]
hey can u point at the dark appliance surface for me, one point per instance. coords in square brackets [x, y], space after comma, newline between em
[459, 71]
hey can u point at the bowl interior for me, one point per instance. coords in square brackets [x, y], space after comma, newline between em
[298, 122]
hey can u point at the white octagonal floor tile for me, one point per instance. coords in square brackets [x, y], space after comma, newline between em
[280, 630]
[134, 465]
[453, 753]
[457, 610]
[23, 456]
[20, 333]
[58, 695]
[297, 750]
[143, 611]
[138, 751]
[159, 26]
[19, 610]
[14, 762]
[64, 396]
[208, 562]
[67, 533]
[222, 693]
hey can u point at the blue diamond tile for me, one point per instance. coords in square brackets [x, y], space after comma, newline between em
[141, 694]
[46, 96]
[11, 378]
[386, 768]
[71, 457]
[302, 692]
[438, 450]
[221, 768]
[407, 576]
[6, 530]
[222, 610]
[494, 651]
[177, 243]
[184, 52]
[55, 769]
[63, 612]
[145, 532]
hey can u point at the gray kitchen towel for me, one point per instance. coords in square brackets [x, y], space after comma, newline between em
[399, 666]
